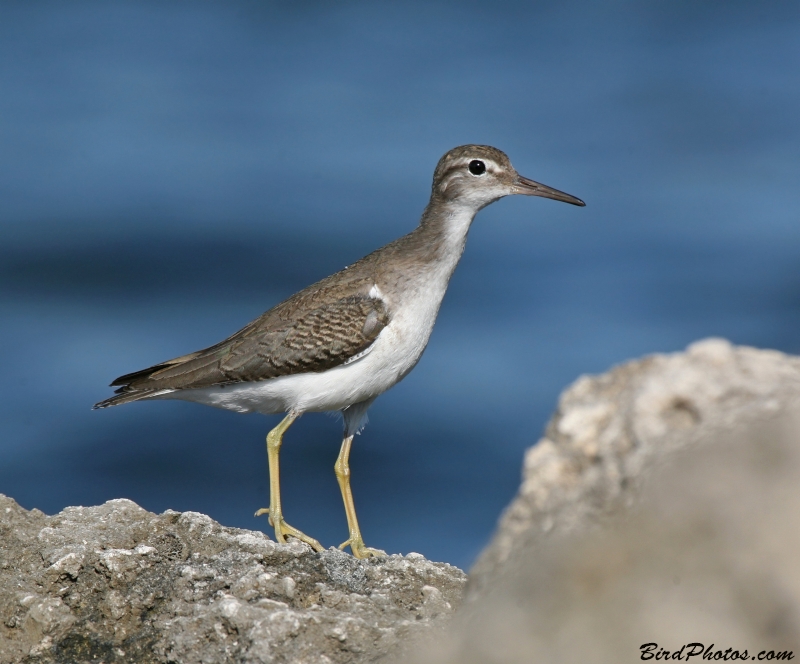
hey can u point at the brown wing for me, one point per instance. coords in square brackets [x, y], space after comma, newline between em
[320, 338]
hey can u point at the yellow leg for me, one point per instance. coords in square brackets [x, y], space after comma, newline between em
[342, 470]
[282, 529]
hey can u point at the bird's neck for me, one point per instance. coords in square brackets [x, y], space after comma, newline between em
[431, 251]
[444, 227]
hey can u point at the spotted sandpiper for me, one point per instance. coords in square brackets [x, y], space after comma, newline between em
[341, 342]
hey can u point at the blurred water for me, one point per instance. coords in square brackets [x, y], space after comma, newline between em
[168, 171]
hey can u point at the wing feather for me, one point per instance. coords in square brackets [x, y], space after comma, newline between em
[313, 337]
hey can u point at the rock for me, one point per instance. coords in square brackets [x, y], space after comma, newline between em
[608, 428]
[660, 510]
[659, 513]
[116, 583]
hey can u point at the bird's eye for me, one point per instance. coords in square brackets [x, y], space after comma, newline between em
[477, 167]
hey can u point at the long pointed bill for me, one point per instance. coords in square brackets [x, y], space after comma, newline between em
[531, 188]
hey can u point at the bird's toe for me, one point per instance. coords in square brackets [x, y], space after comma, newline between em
[360, 550]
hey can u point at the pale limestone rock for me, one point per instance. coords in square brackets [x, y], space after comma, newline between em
[662, 507]
[116, 584]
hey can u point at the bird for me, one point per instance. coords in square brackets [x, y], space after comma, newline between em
[343, 341]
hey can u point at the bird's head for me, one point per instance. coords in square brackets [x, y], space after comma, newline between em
[477, 175]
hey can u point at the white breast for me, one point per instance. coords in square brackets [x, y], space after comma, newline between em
[393, 354]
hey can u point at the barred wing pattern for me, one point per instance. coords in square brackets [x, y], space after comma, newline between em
[321, 338]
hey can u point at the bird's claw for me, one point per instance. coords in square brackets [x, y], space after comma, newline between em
[284, 530]
[356, 545]
[262, 512]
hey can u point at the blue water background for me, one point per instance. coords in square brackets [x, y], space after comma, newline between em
[168, 171]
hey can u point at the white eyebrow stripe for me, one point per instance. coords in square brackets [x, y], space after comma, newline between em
[490, 164]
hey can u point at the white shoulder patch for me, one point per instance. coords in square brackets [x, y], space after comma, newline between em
[375, 293]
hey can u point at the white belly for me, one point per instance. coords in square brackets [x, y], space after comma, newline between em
[393, 354]
[414, 306]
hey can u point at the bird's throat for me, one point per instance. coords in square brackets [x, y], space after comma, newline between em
[445, 230]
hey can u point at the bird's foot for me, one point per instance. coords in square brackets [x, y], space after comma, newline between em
[284, 530]
[356, 545]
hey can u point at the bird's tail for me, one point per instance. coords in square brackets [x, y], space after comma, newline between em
[124, 395]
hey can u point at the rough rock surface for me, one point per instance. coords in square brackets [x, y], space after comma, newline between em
[608, 428]
[660, 507]
[659, 514]
[116, 583]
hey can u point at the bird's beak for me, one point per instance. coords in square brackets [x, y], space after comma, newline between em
[531, 188]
